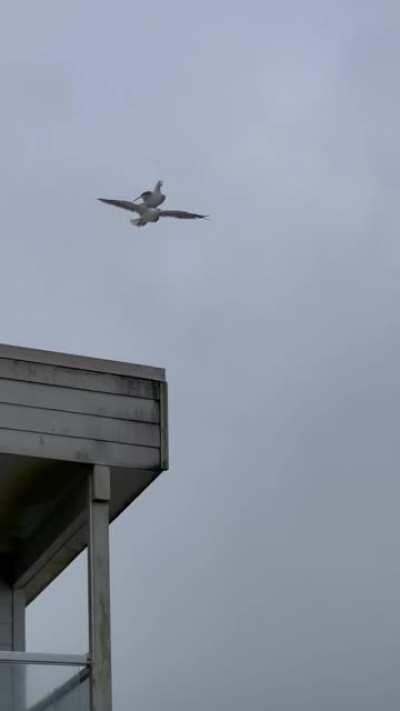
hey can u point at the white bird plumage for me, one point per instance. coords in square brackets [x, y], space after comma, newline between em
[148, 210]
[152, 198]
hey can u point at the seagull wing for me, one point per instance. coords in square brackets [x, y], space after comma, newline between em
[125, 204]
[181, 214]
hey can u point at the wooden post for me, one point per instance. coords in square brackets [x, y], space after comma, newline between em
[99, 589]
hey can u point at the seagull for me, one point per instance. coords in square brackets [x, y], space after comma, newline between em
[152, 198]
[150, 214]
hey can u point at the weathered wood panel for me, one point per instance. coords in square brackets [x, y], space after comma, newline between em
[79, 401]
[72, 449]
[68, 424]
[164, 453]
[81, 379]
[32, 355]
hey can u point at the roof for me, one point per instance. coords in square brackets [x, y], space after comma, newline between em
[61, 414]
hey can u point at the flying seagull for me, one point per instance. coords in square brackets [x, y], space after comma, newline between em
[150, 214]
[152, 198]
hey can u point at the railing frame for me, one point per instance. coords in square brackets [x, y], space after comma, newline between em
[68, 660]
[66, 688]
[98, 661]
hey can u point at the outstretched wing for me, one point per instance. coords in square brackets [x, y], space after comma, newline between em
[125, 204]
[181, 214]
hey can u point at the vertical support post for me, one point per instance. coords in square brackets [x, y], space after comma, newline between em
[99, 589]
[12, 638]
[18, 672]
[18, 620]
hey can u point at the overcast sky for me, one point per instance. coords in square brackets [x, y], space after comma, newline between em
[262, 571]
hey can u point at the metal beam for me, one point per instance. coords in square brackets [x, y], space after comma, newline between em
[63, 660]
[99, 589]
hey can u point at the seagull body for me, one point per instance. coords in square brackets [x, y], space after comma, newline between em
[152, 198]
[150, 214]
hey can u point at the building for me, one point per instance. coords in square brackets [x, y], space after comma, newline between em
[80, 439]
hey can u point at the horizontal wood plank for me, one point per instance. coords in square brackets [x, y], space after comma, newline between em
[81, 379]
[69, 449]
[99, 365]
[70, 424]
[79, 401]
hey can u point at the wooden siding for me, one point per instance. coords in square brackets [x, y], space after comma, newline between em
[79, 414]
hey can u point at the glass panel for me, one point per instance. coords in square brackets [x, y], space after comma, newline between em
[43, 687]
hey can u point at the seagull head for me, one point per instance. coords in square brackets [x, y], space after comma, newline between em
[145, 194]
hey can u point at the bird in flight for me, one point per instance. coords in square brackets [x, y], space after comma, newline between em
[148, 210]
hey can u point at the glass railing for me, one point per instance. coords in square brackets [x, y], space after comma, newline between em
[38, 682]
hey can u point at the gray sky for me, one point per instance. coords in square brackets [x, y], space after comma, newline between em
[262, 570]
